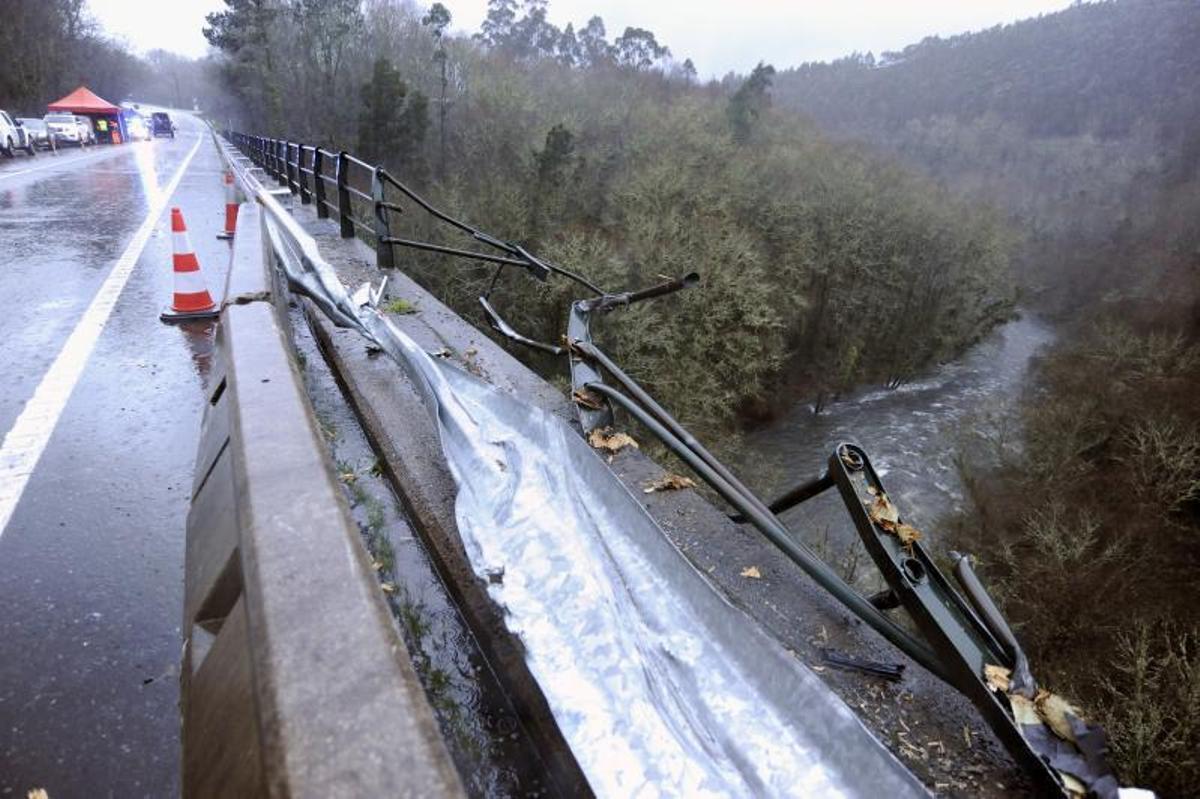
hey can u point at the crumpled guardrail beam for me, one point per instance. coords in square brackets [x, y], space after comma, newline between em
[656, 681]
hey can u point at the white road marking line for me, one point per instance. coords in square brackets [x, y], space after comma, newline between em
[24, 443]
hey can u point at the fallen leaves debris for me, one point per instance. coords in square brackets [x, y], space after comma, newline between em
[388, 588]
[998, 678]
[587, 399]
[1054, 710]
[37, 793]
[669, 482]
[883, 513]
[907, 534]
[752, 572]
[609, 441]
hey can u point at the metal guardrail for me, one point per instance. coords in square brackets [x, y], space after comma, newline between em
[744, 690]
[961, 633]
[290, 656]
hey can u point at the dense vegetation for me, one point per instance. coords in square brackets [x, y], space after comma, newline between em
[1083, 127]
[822, 266]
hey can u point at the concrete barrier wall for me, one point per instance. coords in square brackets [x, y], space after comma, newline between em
[294, 681]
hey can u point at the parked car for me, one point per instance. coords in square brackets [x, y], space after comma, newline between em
[39, 132]
[161, 124]
[13, 137]
[66, 129]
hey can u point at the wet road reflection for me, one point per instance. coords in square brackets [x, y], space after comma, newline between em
[91, 562]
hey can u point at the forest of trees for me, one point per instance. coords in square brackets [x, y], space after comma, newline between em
[1083, 129]
[52, 46]
[602, 152]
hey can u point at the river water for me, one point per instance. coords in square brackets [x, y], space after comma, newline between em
[909, 433]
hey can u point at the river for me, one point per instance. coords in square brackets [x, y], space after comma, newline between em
[909, 433]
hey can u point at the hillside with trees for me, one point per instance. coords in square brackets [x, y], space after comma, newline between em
[1083, 129]
[602, 152]
[1081, 126]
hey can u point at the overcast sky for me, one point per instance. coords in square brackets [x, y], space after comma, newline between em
[718, 35]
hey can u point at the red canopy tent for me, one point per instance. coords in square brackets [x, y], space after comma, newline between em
[83, 101]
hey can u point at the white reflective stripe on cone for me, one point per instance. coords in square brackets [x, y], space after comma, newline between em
[189, 283]
[181, 242]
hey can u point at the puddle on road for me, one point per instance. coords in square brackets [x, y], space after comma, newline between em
[493, 754]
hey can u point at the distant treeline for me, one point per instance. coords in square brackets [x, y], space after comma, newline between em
[822, 267]
[52, 46]
[1083, 126]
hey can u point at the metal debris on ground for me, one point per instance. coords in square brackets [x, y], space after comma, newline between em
[840, 660]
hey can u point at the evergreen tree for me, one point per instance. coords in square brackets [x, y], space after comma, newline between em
[750, 101]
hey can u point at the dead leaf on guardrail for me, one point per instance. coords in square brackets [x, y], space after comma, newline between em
[752, 572]
[587, 399]
[883, 512]
[669, 482]
[998, 678]
[611, 442]
[1055, 711]
[907, 534]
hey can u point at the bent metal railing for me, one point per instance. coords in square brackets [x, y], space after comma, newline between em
[963, 638]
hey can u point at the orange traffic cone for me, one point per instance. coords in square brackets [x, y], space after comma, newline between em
[231, 208]
[192, 300]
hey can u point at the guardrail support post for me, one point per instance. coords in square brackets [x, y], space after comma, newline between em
[343, 196]
[301, 178]
[384, 256]
[281, 168]
[319, 183]
[289, 169]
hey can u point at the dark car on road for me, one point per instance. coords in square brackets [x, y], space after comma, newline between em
[161, 125]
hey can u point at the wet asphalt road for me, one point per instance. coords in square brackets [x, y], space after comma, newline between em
[91, 559]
